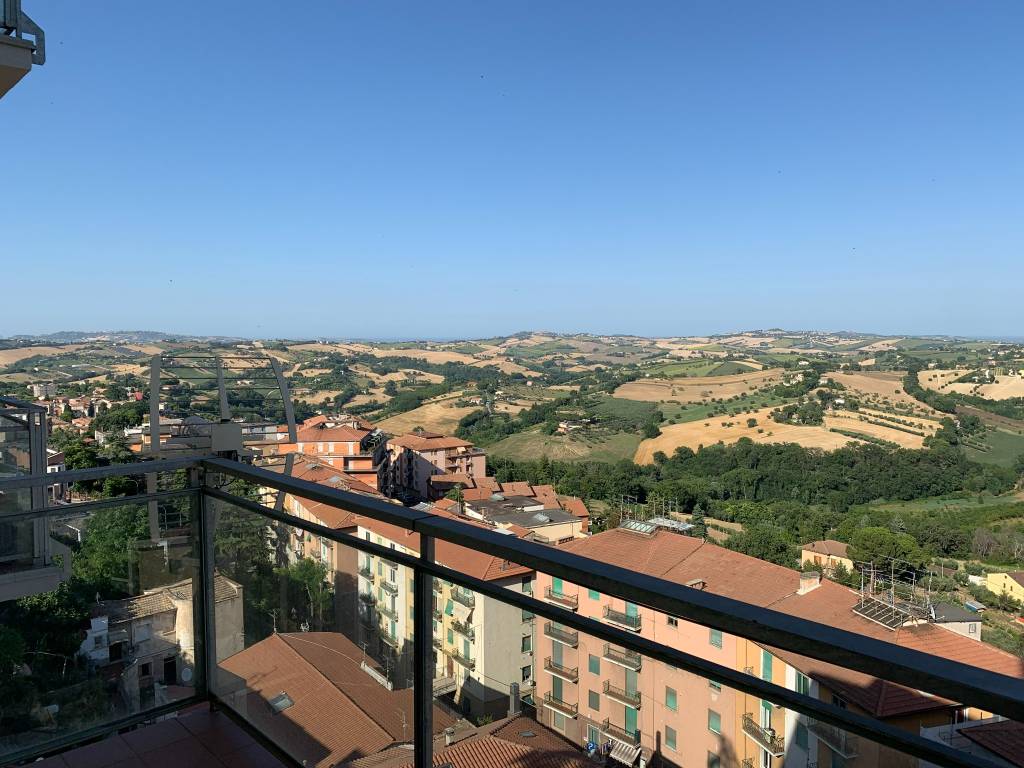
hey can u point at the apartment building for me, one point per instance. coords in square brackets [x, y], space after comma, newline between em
[593, 691]
[550, 517]
[826, 555]
[347, 443]
[482, 646]
[418, 456]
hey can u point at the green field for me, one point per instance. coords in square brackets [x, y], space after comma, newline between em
[528, 446]
[1003, 448]
[949, 503]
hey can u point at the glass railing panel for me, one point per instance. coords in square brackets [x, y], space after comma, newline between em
[97, 621]
[319, 661]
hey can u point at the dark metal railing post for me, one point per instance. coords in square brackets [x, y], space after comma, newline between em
[203, 594]
[423, 657]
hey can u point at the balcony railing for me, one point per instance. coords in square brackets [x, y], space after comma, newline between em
[390, 588]
[561, 635]
[560, 705]
[954, 681]
[624, 658]
[629, 738]
[621, 695]
[464, 629]
[836, 739]
[366, 572]
[367, 598]
[463, 597]
[571, 674]
[565, 601]
[467, 661]
[772, 743]
[385, 610]
[628, 620]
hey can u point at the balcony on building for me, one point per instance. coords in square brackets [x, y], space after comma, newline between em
[366, 572]
[464, 597]
[21, 45]
[622, 657]
[463, 628]
[569, 674]
[561, 635]
[622, 695]
[766, 738]
[464, 659]
[387, 611]
[569, 602]
[622, 619]
[617, 733]
[836, 739]
[557, 704]
[388, 638]
[389, 587]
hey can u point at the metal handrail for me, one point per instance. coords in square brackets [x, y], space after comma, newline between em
[620, 734]
[463, 597]
[623, 657]
[621, 695]
[766, 737]
[464, 629]
[622, 618]
[564, 636]
[956, 681]
[569, 673]
[566, 601]
[467, 661]
[560, 704]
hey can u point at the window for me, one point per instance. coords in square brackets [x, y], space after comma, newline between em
[526, 644]
[714, 721]
[670, 699]
[766, 666]
[838, 701]
[593, 735]
[556, 586]
[715, 638]
[527, 672]
[716, 687]
[670, 737]
[714, 761]
[146, 669]
[451, 637]
[527, 615]
[558, 721]
[801, 735]
[803, 684]
[972, 629]
[594, 700]
[449, 608]
[672, 621]
[593, 594]
[594, 665]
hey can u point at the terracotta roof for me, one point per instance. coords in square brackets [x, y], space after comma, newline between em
[681, 559]
[574, 506]
[1005, 738]
[337, 711]
[469, 561]
[829, 547]
[161, 600]
[323, 434]
[428, 441]
[1017, 576]
[452, 477]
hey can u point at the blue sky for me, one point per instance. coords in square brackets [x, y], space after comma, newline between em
[457, 169]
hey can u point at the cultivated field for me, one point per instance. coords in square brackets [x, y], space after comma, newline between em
[694, 433]
[880, 388]
[8, 356]
[1000, 388]
[529, 446]
[439, 416]
[694, 390]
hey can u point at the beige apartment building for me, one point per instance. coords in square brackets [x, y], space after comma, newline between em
[589, 690]
[347, 443]
[482, 646]
[417, 457]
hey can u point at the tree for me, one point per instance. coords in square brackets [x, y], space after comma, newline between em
[697, 519]
[764, 541]
[456, 495]
[308, 586]
[879, 545]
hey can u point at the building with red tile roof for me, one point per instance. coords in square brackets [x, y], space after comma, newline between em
[650, 708]
[418, 456]
[346, 443]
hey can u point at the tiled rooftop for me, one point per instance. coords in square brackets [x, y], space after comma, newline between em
[198, 738]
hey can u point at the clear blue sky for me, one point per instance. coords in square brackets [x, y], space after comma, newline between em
[455, 169]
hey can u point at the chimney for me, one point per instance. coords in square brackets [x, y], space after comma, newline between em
[809, 581]
[449, 736]
[513, 700]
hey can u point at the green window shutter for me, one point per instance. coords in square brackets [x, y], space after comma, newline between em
[801, 735]
[556, 586]
[451, 637]
[449, 607]
[714, 721]
[594, 665]
[766, 666]
[593, 594]
[670, 698]
[670, 737]
[594, 699]
[715, 638]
